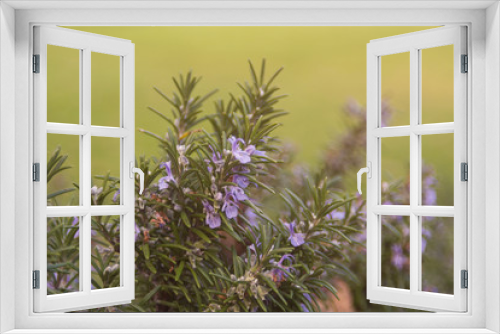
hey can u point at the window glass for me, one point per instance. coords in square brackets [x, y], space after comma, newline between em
[437, 169]
[105, 169]
[437, 84]
[395, 89]
[63, 170]
[63, 255]
[105, 252]
[105, 90]
[395, 245]
[63, 85]
[395, 170]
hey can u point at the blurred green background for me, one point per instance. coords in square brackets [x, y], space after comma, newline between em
[325, 67]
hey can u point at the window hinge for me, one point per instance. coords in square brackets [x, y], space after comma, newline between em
[36, 63]
[36, 172]
[465, 64]
[464, 171]
[36, 279]
[465, 279]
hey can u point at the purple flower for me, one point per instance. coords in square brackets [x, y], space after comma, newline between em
[230, 208]
[430, 196]
[296, 239]
[137, 231]
[280, 274]
[251, 216]
[398, 259]
[233, 196]
[308, 297]
[340, 215]
[334, 214]
[429, 184]
[427, 234]
[115, 196]
[243, 155]
[250, 149]
[163, 182]
[239, 154]
[212, 218]
[236, 193]
[74, 223]
[241, 180]
[217, 160]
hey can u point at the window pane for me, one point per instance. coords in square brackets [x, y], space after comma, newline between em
[105, 251]
[63, 255]
[395, 90]
[437, 169]
[105, 89]
[63, 170]
[395, 246]
[395, 170]
[63, 85]
[105, 171]
[437, 254]
[437, 84]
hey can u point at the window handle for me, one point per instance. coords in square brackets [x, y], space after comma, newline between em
[141, 176]
[368, 171]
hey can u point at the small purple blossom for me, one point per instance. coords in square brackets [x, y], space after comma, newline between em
[115, 196]
[243, 155]
[429, 184]
[233, 196]
[308, 297]
[163, 182]
[241, 180]
[217, 160]
[212, 218]
[239, 154]
[74, 223]
[398, 259]
[296, 239]
[251, 216]
[236, 193]
[230, 208]
[427, 234]
[137, 231]
[250, 149]
[282, 271]
[340, 215]
[430, 196]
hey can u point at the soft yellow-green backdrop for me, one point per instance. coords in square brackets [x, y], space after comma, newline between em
[324, 68]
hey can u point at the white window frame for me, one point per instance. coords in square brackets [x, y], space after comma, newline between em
[414, 44]
[86, 44]
[483, 20]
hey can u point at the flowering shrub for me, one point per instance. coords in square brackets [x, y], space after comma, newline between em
[227, 221]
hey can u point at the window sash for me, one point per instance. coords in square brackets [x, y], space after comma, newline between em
[413, 298]
[87, 297]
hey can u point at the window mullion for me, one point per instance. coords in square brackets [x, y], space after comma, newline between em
[85, 161]
[415, 164]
